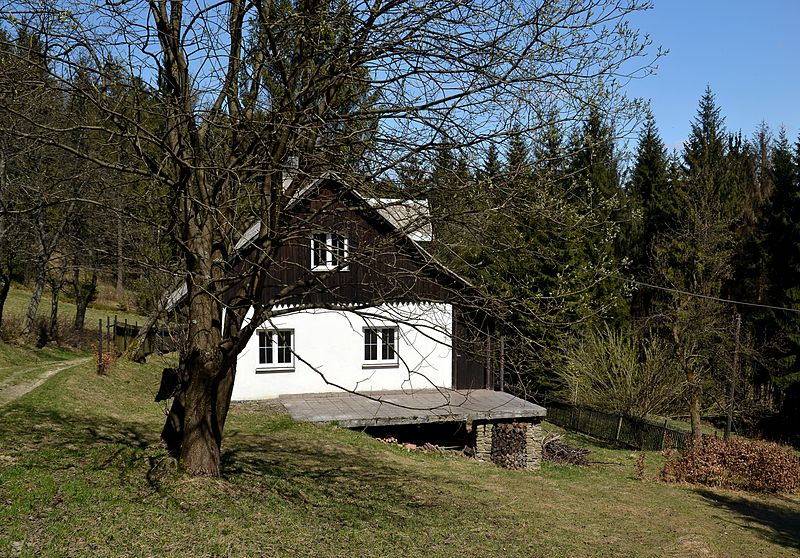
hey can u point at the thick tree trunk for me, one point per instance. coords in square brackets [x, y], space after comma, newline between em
[84, 293]
[194, 427]
[200, 450]
[5, 286]
[33, 305]
[694, 403]
[196, 436]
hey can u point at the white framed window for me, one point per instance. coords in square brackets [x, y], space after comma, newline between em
[380, 346]
[275, 350]
[328, 251]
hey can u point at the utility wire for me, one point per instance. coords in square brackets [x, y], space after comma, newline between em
[697, 295]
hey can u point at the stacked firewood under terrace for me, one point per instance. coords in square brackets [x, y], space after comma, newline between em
[510, 444]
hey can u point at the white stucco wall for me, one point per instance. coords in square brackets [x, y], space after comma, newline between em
[329, 349]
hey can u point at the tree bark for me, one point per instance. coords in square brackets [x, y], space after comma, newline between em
[196, 437]
[83, 295]
[194, 428]
[694, 404]
[5, 278]
[55, 292]
[120, 290]
[36, 298]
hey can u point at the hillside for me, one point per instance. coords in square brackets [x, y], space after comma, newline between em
[82, 474]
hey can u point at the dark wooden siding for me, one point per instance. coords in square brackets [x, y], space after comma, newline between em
[471, 341]
[384, 266]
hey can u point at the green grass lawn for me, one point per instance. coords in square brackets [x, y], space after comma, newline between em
[18, 298]
[82, 474]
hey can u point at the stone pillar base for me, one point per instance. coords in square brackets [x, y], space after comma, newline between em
[510, 444]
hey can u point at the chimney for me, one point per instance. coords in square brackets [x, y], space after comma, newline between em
[290, 170]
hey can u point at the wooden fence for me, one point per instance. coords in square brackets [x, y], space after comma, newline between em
[115, 335]
[634, 433]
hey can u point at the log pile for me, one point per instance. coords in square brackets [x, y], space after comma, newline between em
[556, 451]
[509, 445]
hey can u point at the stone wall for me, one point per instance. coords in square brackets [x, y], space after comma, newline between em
[510, 444]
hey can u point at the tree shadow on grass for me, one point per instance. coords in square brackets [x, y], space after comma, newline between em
[327, 472]
[43, 428]
[339, 481]
[778, 522]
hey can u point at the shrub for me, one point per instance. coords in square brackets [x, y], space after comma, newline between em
[738, 463]
[10, 328]
[639, 467]
[622, 372]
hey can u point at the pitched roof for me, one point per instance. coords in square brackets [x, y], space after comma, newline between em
[410, 217]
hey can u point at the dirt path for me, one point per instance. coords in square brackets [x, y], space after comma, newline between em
[11, 390]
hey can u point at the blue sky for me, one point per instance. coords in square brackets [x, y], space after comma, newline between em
[748, 52]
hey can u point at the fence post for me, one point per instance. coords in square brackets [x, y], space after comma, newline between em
[502, 362]
[115, 330]
[619, 429]
[125, 337]
[663, 434]
[100, 347]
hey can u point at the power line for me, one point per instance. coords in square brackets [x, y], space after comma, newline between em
[698, 295]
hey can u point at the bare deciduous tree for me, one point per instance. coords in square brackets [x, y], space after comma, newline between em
[222, 96]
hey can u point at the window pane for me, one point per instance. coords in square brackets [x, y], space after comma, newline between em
[339, 248]
[284, 347]
[387, 344]
[370, 344]
[264, 347]
[318, 249]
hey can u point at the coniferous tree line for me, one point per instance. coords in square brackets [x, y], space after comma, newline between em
[669, 255]
[577, 249]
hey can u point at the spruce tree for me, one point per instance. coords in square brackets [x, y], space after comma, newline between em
[784, 258]
[652, 207]
[705, 155]
[595, 185]
[595, 164]
[695, 255]
[517, 156]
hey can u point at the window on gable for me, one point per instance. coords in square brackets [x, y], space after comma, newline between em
[380, 346]
[275, 349]
[328, 250]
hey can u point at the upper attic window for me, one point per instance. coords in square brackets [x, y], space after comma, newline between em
[328, 251]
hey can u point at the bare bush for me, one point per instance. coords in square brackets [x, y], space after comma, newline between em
[555, 450]
[619, 371]
[738, 463]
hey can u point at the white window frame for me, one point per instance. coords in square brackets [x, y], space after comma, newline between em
[327, 245]
[274, 351]
[386, 346]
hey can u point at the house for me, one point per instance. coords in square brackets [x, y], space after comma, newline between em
[377, 312]
[366, 328]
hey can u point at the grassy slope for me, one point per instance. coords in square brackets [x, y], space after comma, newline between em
[81, 474]
[18, 298]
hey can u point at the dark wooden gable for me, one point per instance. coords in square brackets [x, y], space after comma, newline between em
[383, 264]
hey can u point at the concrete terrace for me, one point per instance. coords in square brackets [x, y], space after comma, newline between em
[386, 408]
